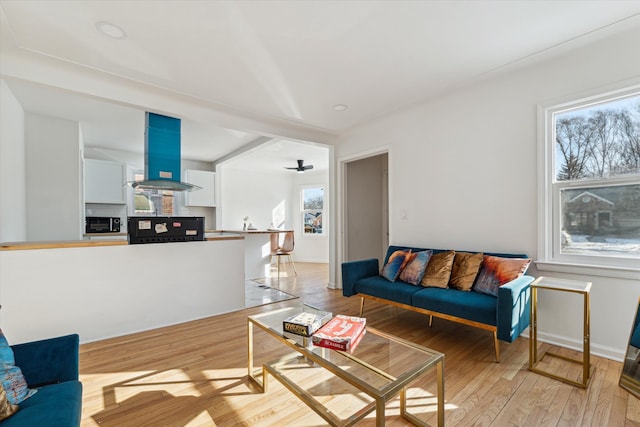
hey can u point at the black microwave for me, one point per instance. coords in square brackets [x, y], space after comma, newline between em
[102, 224]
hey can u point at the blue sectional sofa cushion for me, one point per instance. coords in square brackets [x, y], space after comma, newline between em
[467, 305]
[51, 367]
[53, 405]
[378, 286]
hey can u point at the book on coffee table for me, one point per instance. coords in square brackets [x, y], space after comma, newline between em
[306, 323]
[341, 333]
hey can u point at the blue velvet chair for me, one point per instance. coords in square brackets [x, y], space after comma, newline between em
[51, 366]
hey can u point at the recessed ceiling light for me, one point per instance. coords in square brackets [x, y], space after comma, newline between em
[111, 30]
[340, 107]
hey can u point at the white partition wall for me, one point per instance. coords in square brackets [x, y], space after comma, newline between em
[101, 292]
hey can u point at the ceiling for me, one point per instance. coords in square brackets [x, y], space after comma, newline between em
[290, 60]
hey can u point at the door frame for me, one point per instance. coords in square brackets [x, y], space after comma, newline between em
[341, 224]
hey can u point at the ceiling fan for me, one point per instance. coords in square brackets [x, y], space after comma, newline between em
[301, 167]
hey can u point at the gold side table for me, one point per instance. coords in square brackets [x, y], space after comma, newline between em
[564, 285]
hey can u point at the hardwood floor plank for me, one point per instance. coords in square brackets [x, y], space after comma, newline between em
[194, 374]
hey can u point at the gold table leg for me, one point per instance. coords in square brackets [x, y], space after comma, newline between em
[587, 369]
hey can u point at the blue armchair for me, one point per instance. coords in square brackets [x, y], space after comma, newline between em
[51, 366]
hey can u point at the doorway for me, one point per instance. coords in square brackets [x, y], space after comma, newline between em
[366, 208]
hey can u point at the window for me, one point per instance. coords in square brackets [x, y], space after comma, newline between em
[312, 211]
[590, 198]
[152, 202]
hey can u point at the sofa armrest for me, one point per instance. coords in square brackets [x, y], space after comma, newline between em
[48, 361]
[352, 271]
[514, 308]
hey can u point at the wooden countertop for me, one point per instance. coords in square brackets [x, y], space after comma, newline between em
[17, 246]
[259, 231]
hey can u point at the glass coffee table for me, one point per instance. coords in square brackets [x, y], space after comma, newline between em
[380, 368]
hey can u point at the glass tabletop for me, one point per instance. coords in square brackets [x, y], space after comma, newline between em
[380, 362]
[570, 285]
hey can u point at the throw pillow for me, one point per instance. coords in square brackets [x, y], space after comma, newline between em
[464, 271]
[11, 376]
[438, 270]
[414, 270]
[497, 271]
[6, 408]
[395, 264]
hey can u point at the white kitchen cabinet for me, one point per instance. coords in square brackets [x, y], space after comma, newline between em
[104, 181]
[207, 195]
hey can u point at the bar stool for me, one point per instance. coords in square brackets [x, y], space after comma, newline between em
[285, 249]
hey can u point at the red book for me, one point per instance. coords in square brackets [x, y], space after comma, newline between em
[340, 333]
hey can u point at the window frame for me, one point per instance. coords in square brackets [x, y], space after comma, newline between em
[550, 257]
[323, 234]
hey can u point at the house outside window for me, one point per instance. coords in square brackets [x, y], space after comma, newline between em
[590, 192]
[312, 211]
[152, 202]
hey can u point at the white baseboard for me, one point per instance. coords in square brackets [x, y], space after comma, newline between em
[311, 260]
[574, 344]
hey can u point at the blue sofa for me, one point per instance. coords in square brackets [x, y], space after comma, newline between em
[506, 315]
[51, 366]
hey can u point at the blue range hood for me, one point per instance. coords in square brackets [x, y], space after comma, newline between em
[162, 155]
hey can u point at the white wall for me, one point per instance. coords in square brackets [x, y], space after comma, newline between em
[13, 205]
[54, 178]
[253, 194]
[244, 192]
[463, 167]
[101, 292]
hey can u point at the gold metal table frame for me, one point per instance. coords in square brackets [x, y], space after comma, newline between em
[307, 353]
[564, 285]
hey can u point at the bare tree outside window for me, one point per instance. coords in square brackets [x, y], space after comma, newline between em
[599, 141]
[597, 158]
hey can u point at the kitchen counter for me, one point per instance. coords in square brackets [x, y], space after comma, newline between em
[13, 246]
[114, 288]
[257, 249]
[258, 231]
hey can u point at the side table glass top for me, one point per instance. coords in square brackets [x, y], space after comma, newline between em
[568, 285]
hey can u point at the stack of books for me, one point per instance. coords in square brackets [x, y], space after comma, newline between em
[341, 333]
[306, 323]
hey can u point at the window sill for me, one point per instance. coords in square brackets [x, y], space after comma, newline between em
[314, 236]
[589, 270]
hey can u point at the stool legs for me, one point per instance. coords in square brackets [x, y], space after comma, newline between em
[293, 264]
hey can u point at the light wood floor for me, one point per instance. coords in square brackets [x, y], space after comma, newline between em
[194, 374]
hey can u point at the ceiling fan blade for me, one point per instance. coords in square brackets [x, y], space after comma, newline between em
[301, 167]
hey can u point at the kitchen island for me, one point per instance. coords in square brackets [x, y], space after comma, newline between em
[101, 289]
[257, 249]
